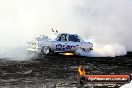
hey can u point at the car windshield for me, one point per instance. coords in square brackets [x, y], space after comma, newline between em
[74, 38]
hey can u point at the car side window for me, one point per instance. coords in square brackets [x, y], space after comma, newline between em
[59, 38]
[62, 38]
[74, 38]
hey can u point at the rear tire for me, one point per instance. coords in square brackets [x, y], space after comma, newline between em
[79, 51]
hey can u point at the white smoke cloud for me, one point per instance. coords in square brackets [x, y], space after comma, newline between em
[104, 21]
[15, 53]
[104, 50]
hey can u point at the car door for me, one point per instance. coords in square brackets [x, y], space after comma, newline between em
[74, 42]
[61, 43]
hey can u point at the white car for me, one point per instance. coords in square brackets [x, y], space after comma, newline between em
[64, 43]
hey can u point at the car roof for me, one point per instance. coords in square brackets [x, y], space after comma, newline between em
[67, 34]
[71, 34]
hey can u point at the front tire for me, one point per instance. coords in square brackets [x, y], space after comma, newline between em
[45, 50]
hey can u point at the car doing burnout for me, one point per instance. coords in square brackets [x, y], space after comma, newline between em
[63, 43]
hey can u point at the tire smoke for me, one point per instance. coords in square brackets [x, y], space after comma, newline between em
[107, 22]
[104, 50]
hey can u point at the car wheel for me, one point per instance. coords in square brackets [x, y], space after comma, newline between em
[46, 50]
[79, 51]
